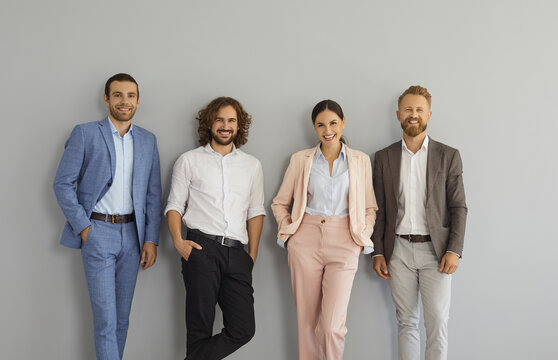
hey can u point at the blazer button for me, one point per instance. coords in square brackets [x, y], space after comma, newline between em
[323, 221]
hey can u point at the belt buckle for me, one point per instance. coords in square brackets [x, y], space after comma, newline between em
[223, 241]
[112, 218]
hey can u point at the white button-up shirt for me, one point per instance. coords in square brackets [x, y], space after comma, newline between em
[217, 194]
[411, 213]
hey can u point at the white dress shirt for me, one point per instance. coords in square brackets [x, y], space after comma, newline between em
[217, 194]
[411, 202]
[118, 198]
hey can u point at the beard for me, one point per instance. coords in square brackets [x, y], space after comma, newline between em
[218, 140]
[121, 117]
[412, 130]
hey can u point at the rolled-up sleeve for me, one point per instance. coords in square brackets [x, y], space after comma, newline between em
[256, 206]
[180, 185]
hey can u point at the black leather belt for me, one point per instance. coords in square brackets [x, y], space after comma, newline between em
[416, 238]
[220, 239]
[115, 219]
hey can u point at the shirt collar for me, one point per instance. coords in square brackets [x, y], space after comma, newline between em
[424, 144]
[209, 149]
[342, 154]
[114, 131]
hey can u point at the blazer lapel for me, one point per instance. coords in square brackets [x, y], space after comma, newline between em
[352, 179]
[432, 166]
[394, 161]
[104, 127]
[306, 173]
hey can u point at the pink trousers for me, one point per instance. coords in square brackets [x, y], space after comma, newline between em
[323, 259]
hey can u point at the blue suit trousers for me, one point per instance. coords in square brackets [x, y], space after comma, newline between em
[111, 258]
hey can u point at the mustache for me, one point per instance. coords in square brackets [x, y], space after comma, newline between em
[418, 118]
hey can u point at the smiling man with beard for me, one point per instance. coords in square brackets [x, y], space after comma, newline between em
[108, 185]
[420, 226]
[217, 192]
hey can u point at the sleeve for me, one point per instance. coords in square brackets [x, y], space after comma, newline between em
[379, 226]
[180, 186]
[153, 199]
[67, 176]
[282, 201]
[457, 207]
[370, 199]
[256, 206]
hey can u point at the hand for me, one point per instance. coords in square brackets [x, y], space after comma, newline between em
[449, 263]
[380, 266]
[184, 247]
[254, 256]
[84, 233]
[148, 255]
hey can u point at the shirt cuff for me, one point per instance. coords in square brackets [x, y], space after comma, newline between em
[459, 256]
[377, 255]
[254, 211]
[367, 250]
[174, 207]
[282, 243]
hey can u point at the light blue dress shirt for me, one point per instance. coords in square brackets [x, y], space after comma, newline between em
[328, 195]
[118, 198]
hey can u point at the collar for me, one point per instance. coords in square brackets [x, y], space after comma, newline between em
[113, 128]
[423, 147]
[209, 149]
[319, 154]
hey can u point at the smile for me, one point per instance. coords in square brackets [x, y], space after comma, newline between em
[329, 137]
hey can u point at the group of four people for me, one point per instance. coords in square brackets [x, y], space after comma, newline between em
[409, 213]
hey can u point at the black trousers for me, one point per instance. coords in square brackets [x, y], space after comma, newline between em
[217, 275]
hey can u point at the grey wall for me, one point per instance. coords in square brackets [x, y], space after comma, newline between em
[490, 65]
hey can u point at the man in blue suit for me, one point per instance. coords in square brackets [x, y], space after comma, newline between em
[108, 185]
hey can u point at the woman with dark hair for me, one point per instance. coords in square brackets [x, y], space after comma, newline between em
[332, 218]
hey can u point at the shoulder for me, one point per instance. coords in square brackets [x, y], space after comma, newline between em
[249, 160]
[144, 133]
[380, 154]
[443, 148]
[303, 154]
[356, 154]
[89, 127]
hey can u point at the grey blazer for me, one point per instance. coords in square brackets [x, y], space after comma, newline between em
[446, 210]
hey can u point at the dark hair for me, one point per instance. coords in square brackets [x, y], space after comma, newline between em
[416, 90]
[207, 115]
[331, 106]
[119, 77]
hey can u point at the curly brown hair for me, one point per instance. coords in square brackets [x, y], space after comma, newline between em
[207, 115]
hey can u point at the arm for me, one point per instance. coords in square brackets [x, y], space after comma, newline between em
[176, 205]
[282, 201]
[67, 175]
[255, 226]
[153, 212]
[380, 265]
[370, 200]
[379, 226]
[256, 212]
[184, 247]
[457, 207]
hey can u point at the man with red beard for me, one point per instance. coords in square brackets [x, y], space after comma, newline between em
[420, 226]
[217, 192]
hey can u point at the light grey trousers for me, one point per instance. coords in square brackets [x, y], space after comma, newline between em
[414, 268]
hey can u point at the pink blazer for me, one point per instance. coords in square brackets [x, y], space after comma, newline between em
[362, 202]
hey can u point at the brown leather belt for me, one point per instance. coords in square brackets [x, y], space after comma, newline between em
[416, 238]
[115, 219]
[228, 242]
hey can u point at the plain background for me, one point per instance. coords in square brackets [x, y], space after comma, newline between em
[490, 66]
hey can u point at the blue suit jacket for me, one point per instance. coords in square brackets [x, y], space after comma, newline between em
[86, 172]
